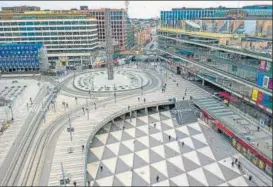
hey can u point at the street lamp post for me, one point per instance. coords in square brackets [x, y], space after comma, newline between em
[141, 87]
[115, 95]
[89, 93]
[62, 168]
[10, 107]
[87, 111]
[70, 128]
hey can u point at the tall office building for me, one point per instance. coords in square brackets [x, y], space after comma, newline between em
[121, 27]
[70, 37]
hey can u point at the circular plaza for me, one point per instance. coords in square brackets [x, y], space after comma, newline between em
[97, 81]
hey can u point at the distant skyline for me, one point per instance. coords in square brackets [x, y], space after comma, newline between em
[137, 9]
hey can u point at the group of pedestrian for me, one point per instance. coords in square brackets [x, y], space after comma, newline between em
[164, 87]
[235, 161]
[65, 105]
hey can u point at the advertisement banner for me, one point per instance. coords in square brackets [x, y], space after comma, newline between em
[260, 97]
[262, 65]
[260, 79]
[268, 67]
[254, 96]
[270, 84]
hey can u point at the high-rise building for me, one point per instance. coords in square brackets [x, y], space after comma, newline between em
[20, 9]
[121, 27]
[69, 36]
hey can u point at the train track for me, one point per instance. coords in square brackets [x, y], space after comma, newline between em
[26, 166]
[14, 159]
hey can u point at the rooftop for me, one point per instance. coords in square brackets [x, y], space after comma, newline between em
[240, 125]
[205, 34]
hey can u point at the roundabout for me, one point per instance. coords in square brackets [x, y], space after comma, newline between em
[97, 81]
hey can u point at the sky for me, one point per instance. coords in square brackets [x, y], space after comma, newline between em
[137, 9]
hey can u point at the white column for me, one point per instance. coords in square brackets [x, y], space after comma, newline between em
[81, 61]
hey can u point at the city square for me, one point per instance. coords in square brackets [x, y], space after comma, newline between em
[102, 97]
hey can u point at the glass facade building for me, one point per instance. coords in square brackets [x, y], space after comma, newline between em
[61, 33]
[172, 17]
[23, 57]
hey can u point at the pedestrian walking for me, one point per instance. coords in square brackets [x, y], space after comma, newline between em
[144, 100]
[232, 163]
[82, 148]
[239, 165]
[88, 183]
[183, 98]
[157, 178]
[182, 144]
[66, 105]
[128, 107]
[101, 168]
[236, 160]
[82, 109]
[30, 99]
[250, 177]
[185, 93]
[258, 128]
[138, 99]
[154, 125]
[169, 137]
[75, 183]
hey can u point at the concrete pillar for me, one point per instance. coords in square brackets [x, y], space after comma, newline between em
[203, 82]
[146, 110]
[130, 116]
[157, 108]
[81, 61]
[91, 60]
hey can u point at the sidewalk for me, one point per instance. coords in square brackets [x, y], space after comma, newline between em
[74, 162]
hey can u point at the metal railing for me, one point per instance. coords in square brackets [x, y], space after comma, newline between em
[220, 72]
